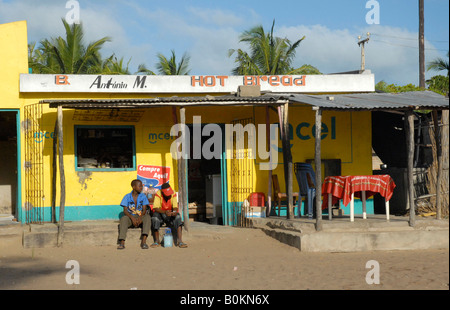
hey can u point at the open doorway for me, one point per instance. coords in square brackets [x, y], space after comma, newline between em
[8, 164]
[204, 180]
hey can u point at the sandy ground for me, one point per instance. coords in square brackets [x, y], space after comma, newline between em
[239, 259]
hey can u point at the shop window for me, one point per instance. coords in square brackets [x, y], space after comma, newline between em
[105, 148]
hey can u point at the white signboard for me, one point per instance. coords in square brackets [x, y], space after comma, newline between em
[71, 83]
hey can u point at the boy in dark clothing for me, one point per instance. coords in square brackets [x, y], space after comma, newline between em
[165, 209]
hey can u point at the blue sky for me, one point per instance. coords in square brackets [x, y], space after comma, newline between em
[206, 29]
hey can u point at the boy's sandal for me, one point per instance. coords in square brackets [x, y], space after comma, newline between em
[154, 245]
[182, 245]
[144, 246]
[121, 247]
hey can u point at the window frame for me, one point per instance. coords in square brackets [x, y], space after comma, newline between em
[133, 137]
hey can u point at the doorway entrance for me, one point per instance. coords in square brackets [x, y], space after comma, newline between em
[206, 178]
[8, 163]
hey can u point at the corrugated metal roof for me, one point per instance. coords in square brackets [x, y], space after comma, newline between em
[419, 100]
[374, 101]
[166, 101]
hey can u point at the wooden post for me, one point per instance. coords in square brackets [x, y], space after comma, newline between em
[269, 185]
[421, 45]
[409, 131]
[183, 188]
[61, 177]
[54, 170]
[287, 158]
[318, 164]
[438, 139]
[289, 184]
[280, 110]
[181, 168]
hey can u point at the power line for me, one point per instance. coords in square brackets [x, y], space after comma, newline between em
[416, 47]
[404, 38]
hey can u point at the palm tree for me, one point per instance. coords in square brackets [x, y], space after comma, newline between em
[438, 64]
[143, 69]
[170, 67]
[112, 65]
[305, 69]
[67, 55]
[269, 55]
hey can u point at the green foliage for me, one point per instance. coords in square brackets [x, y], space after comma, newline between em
[67, 55]
[70, 55]
[438, 84]
[438, 64]
[171, 67]
[393, 88]
[269, 55]
[112, 65]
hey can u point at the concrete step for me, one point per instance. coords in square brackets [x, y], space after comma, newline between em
[359, 237]
[103, 233]
[10, 234]
[6, 217]
[80, 237]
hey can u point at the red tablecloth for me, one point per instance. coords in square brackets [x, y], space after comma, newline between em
[342, 187]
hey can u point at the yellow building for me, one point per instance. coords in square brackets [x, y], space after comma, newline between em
[106, 148]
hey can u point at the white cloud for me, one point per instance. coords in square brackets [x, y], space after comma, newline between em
[208, 34]
[206, 41]
[336, 50]
[216, 17]
[44, 21]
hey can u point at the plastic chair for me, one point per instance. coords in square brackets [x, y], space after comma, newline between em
[278, 195]
[307, 186]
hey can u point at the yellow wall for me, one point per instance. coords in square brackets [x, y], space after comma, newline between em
[351, 142]
[13, 61]
[348, 140]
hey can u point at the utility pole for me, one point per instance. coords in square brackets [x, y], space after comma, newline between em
[363, 55]
[421, 45]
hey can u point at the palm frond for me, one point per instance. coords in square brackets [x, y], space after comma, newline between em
[143, 69]
[170, 67]
[268, 54]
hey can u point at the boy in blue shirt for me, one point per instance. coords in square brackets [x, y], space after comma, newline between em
[135, 206]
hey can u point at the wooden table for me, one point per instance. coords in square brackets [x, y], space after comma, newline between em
[346, 188]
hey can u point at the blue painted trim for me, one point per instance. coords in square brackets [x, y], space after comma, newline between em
[223, 171]
[82, 213]
[19, 213]
[134, 168]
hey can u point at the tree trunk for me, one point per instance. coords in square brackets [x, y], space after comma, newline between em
[318, 164]
[409, 131]
[61, 177]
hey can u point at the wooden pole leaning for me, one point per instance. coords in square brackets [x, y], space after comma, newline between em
[181, 169]
[289, 177]
[62, 177]
[438, 139]
[318, 164]
[269, 185]
[409, 131]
